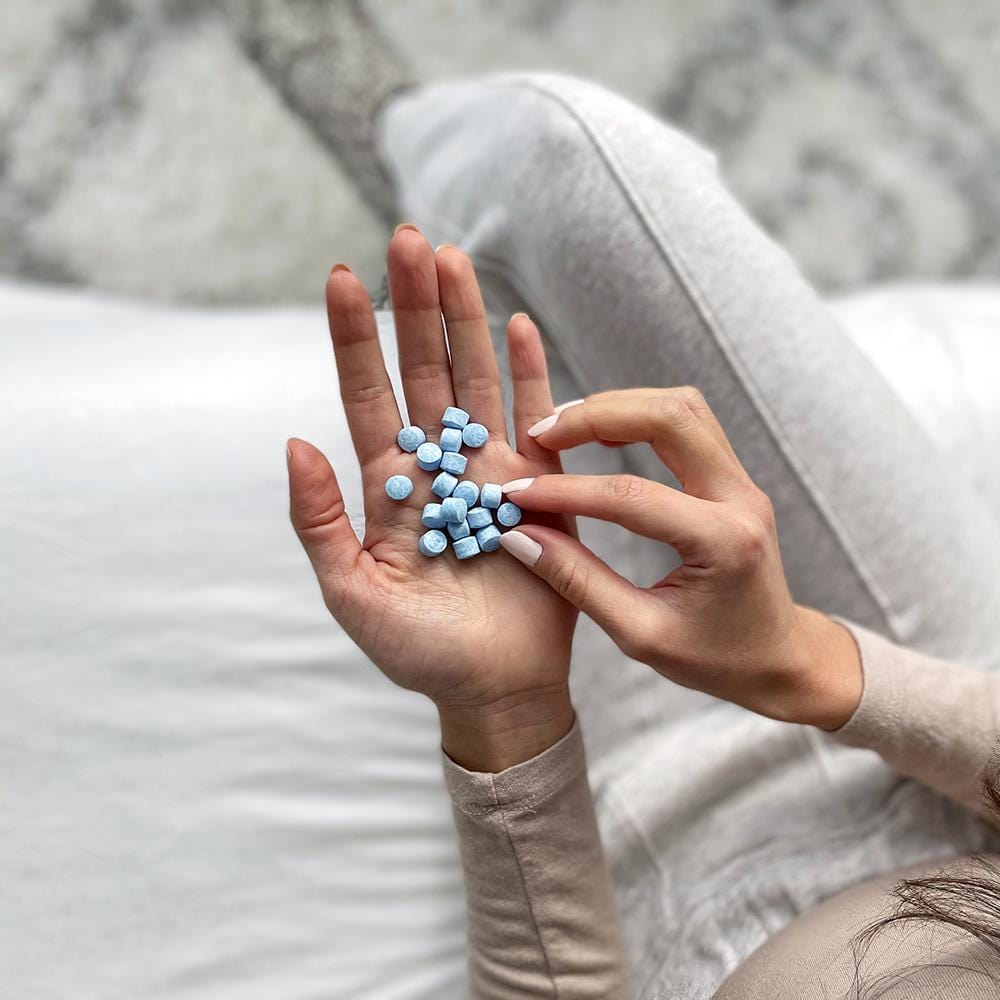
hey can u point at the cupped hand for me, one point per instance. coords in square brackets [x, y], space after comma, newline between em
[487, 642]
[723, 621]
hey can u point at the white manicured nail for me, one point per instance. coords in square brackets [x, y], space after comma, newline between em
[546, 423]
[521, 547]
[517, 484]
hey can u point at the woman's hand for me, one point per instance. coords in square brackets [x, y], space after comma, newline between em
[723, 622]
[487, 642]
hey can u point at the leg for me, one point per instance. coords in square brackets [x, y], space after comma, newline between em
[643, 270]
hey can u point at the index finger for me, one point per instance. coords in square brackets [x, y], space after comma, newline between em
[369, 402]
[693, 448]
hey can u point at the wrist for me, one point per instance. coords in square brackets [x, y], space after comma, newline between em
[507, 731]
[829, 677]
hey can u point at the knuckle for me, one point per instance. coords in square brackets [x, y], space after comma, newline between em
[692, 397]
[747, 543]
[472, 382]
[669, 408]
[365, 392]
[570, 581]
[763, 508]
[626, 487]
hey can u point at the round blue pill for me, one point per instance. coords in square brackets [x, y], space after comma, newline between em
[460, 530]
[468, 491]
[475, 435]
[490, 495]
[454, 463]
[431, 516]
[479, 517]
[398, 487]
[428, 456]
[432, 543]
[443, 484]
[453, 416]
[508, 514]
[451, 439]
[410, 438]
[454, 510]
[488, 538]
[466, 548]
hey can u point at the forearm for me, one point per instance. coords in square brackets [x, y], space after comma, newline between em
[542, 918]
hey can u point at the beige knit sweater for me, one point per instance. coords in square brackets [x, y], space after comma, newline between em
[542, 920]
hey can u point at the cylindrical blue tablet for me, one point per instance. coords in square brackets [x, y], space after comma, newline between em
[508, 514]
[410, 438]
[475, 435]
[432, 543]
[466, 548]
[488, 538]
[431, 516]
[454, 510]
[443, 484]
[479, 517]
[460, 530]
[451, 439]
[489, 495]
[398, 487]
[428, 456]
[468, 491]
[454, 417]
[454, 463]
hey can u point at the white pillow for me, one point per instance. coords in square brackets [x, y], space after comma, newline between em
[208, 790]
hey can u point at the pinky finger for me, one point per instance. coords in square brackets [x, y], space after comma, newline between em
[623, 610]
[319, 517]
[530, 380]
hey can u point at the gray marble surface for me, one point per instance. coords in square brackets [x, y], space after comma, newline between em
[217, 153]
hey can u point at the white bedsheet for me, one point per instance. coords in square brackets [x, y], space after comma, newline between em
[205, 790]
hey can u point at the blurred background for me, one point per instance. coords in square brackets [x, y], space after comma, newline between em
[861, 134]
[215, 794]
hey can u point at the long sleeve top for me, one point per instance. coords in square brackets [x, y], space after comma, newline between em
[542, 917]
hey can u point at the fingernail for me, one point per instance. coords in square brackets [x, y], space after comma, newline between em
[442, 246]
[525, 315]
[517, 484]
[543, 425]
[521, 547]
[339, 267]
[405, 225]
[288, 451]
[547, 423]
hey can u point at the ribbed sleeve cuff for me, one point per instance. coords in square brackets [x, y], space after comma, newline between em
[526, 784]
[882, 706]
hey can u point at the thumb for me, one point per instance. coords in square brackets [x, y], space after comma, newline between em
[579, 576]
[319, 517]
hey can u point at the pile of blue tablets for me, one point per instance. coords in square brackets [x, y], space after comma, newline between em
[466, 510]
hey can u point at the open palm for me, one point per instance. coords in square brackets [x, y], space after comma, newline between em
[467, 632]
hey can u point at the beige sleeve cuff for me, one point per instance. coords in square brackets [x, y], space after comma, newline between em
[542, 917]
[929, 719]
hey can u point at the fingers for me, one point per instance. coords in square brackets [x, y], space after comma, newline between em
[369, 402]
[673, 421]
[474, 372]
[423, 353]
[627, 613]
[319, 518]
[688, 523]
[530, 380]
